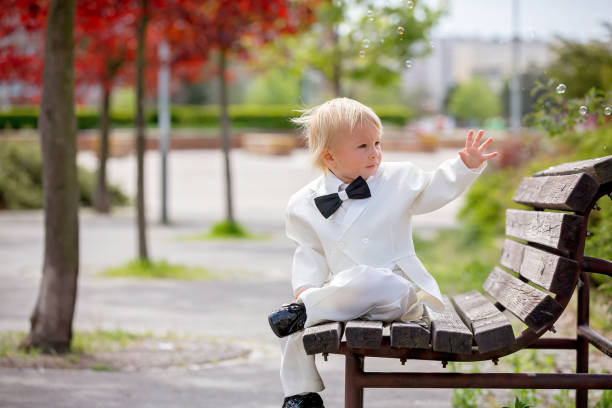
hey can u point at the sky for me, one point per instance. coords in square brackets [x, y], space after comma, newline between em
[539, 19]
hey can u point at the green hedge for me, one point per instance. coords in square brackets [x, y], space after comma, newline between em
[241, 116]
[21, 179]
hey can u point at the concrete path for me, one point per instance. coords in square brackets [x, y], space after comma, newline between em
[255, 280]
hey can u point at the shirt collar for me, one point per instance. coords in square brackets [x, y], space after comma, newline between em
[333, 183]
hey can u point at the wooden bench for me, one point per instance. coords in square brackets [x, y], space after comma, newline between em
[541, 265]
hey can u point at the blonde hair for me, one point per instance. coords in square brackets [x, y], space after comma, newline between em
[320, 123]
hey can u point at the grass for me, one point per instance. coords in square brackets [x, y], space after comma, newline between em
[158, 270]
[225, 230]
[104, 340]
[102, 367]
[115, 350]
[526, 360]
[83, 345]
[457, 263]
[82, 342]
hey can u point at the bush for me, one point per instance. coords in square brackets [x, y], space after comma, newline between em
[241, 116]
[483, 213]
[21, 179]
[474, 101]
[22, 117]
[20, 176]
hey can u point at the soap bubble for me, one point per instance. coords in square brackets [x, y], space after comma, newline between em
[408, 64]
[432, 44]
[366, 43]
[400, 30]
[583, 110]
[410, 4]
[370, 15]
[607, 111]
[561, 88]
[382, 40]
[362, 53]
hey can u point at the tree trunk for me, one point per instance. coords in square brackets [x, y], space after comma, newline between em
[51, 320]
[140, 131]
[101, 201]
[225, 138]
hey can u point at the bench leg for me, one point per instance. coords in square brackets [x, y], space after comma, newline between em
[582, 347]
[353, 393]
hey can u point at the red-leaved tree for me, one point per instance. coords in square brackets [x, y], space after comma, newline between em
[113, 42]
[225, 26]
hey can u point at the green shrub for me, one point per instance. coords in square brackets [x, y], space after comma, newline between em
[21, 117]
[227, 229]
[469, 266]
[241, 116]
[87, 185]
[20, 176]
[483, 212]
[21, 179]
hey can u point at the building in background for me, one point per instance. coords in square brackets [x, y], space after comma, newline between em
[456, 60]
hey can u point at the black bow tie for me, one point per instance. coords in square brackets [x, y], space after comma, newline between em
[328, 204]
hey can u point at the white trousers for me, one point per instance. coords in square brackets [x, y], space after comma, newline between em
[362, 292]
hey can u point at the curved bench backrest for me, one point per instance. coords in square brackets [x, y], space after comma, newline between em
[543, 268]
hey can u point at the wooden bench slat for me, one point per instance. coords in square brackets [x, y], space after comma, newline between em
[364, 333]
[412, 334]
[491, 328]
[322, 338]
[448, 332]
[529, 304]
[572, 192]
[555, 230]
[600, 169]
[552, 272]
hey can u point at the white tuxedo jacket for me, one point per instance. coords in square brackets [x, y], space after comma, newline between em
[375, 231]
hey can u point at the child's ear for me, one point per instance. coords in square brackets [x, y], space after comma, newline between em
[328, 157]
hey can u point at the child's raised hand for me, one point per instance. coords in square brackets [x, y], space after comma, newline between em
[472, 155]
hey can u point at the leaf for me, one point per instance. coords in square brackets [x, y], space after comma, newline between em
[518, 404]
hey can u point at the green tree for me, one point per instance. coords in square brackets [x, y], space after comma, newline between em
[358, 40]
[474, 101]
[275, 86]
[582, 66]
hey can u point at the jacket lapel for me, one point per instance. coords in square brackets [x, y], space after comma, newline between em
[358, 206]
[320, 190]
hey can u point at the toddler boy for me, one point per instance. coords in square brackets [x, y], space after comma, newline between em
[352, 226]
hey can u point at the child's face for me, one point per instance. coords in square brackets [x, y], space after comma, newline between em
[353, 154]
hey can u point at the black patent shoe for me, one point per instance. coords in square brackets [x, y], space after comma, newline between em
[310, 400]
[288, 319]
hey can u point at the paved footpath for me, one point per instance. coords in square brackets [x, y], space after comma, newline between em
[255, 279]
